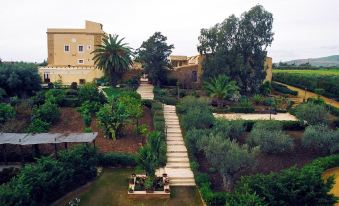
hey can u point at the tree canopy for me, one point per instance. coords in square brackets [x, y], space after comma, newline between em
[113, 56]
[153, 54]
[237, 47]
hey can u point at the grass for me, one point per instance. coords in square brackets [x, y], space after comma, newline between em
[325, 72]
[111, 189]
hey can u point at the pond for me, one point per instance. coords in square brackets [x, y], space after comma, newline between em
[111, 189]
[335, 172]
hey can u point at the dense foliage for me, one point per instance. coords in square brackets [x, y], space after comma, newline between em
[283, 89]
[270, 138]
[113, 56]
[19, 79]
[237, 47]
[221, 88]
[153, 54]
[322, 139]
[89, 92]
[48, 179]
[6, 112]
[312, 113]
[292, 186]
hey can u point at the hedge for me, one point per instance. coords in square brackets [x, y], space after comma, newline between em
[330, 83]
[116, 159]
[286, 125]
[283, 89]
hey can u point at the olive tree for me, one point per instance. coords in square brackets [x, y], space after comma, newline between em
[227, 156]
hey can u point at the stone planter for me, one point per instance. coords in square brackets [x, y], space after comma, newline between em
[146, 194]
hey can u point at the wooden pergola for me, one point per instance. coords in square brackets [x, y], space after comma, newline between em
[23, 139]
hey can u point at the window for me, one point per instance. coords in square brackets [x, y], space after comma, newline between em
[82, 81]
[80, 61]
[81, 48]
[46, 77]
[66, 48]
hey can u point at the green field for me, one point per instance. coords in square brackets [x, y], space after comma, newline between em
[325, 72]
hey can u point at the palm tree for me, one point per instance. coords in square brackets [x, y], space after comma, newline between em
[220, 87]
[113, 56]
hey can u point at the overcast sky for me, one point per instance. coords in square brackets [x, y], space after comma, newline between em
[303, 28]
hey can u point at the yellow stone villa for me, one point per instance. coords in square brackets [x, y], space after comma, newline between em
[69, 54]
[70, 58]
[191, 67]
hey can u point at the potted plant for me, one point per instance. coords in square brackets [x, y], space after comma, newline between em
[131, 181]
[164, 174]
[130, 190]
[149, 185]
[133, 175]
[167, 190]
[166, 181]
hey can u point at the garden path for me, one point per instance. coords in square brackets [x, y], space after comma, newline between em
[145, 89]
[178, 166]
[243, 116]
[301, 96]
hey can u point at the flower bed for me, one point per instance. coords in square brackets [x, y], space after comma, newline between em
[138, 187]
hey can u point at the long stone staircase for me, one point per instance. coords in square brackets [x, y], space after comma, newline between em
[177, 167]
[145, 89]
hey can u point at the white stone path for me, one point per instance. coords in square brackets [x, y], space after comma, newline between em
[177, 167]
[278, 116]
[145, 89]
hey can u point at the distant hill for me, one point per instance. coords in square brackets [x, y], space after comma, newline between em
[329, 61]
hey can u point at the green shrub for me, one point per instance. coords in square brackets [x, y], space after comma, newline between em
[38, 126]
[270, 138]
[198, 118]
[202, 179]
[312, 113]
[19, 79]
[6, 112]
[229, 129]
[2, 93]
[8, 173]
[89, 92]
[258, 99]
[167, 100]
[238, 109]
[48, 179]
[55, 96]
[70, 102]
[322, 139]
[47, 112]
[146, 102]
[283, 89]
[192, 137]
[189, 102]
[115, 159]
[87, 118]
[88, 130]
[291, 187]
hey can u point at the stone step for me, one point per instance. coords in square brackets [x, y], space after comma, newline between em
[176, 148]
[181, 183]
[175, 142]
[177, 159]
[178, 165]
[176, 154]
[175, 138]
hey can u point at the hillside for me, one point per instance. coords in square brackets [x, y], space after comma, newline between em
[322, 61]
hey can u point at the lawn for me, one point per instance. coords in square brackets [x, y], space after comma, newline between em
[324, 72]
[111, 189]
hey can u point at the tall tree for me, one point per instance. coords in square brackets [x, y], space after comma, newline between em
[153, 54]
[237, 47]
[113, 56]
